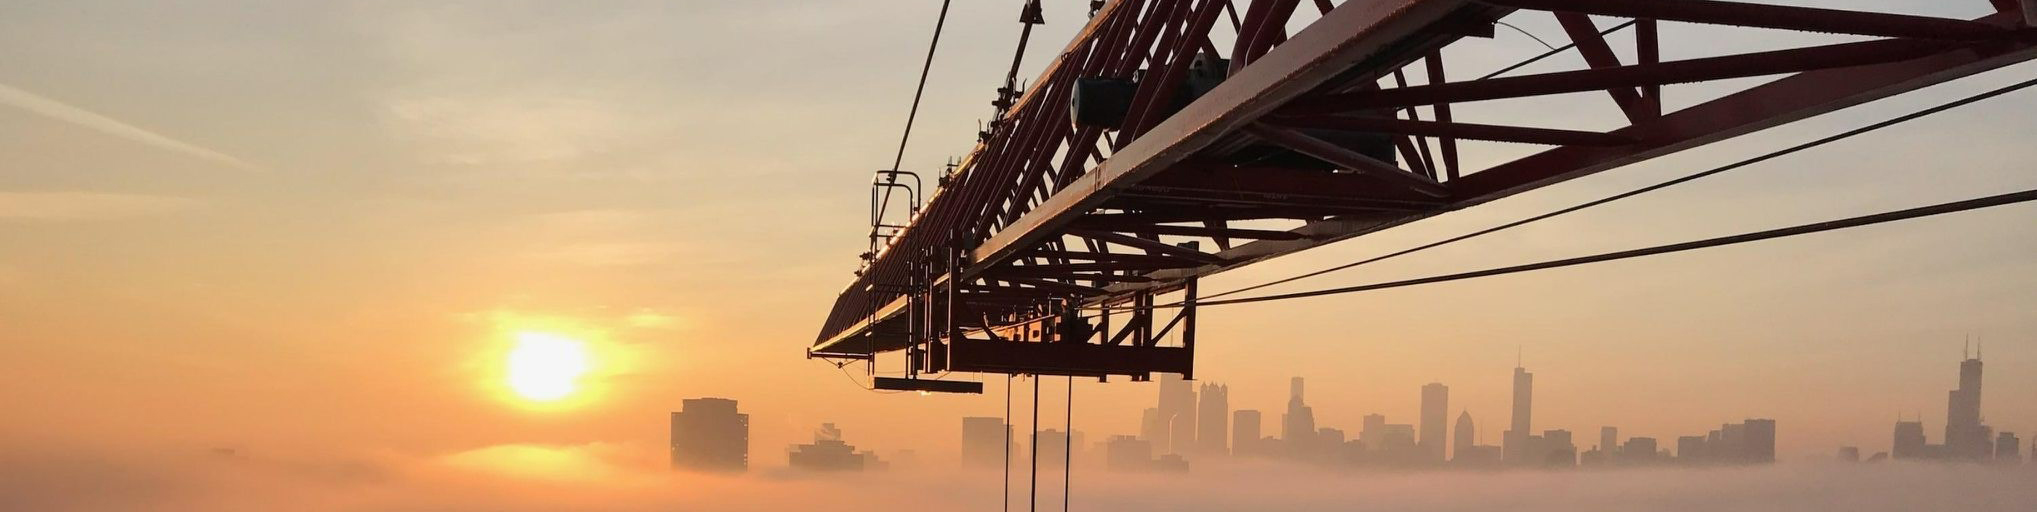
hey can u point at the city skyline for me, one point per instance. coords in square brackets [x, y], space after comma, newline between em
[358, 256]
[1381, 444]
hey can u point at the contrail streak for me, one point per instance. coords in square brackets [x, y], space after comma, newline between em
[61, 111]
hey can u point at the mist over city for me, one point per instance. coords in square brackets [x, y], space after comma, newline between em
[1094, 255]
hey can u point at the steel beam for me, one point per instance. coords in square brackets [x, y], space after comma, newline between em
[1809, 19]
[1521, 134]
[1347, 158]
[1694, 70]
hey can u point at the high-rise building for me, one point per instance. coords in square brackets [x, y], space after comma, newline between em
[1757, 446]
[1515, 443]
[1245, 433]
[1212, 411]
[1748, 442]
[1183, 437]
[1055, 448]
[1127, 453]
[1690, 450]
[1849, 454]
[1558, 450]
[1467, 436]
[1909, 441]
[1732, 437]
[1642, 450]
[1396, 437]
[1155, 427]
[1435, 411]
[1328, 438]
[708, 434]
[985, 442]
[1298, 425]
[2008, 449]
[829, 453]
[1609, 440]
[1372, 431]
[1965, 436]
[1177, 414]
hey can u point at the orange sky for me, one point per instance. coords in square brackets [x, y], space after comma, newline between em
[316, 227]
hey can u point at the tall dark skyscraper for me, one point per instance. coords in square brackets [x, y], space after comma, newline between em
[1467, 436]
[708, 434]
[1909, 440]
[1435, 412]
[1524, 398]
[1515, 443]
[1608, 440]
[1245, 433]
[1758, 441]
[1298, 425]
[1212, 411]
[1965, 436]
[984, 441]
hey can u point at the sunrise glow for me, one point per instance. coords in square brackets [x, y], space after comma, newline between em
[545, 367]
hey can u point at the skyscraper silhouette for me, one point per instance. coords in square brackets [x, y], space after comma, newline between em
[1245, 433]
[1054, 447]
[1516, 442]
[1466, 436]
[1965, 436]
[1557, 450]
[1757, 445]
[1172, 428]
[984, 442]
[1298, 425]
[1127, 453]
[1609, 440]
[1154, 427]
[708, 434]
[2008, 449]
[829, 453]
[1372, 431]
[1909, 440]
[1435, 411]
[1212, 411]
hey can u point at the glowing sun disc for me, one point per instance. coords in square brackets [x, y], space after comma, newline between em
[544, 367]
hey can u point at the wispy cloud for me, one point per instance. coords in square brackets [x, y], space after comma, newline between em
[63, 206]
[61, 111]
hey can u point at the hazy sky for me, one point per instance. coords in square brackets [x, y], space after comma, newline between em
[314, 227]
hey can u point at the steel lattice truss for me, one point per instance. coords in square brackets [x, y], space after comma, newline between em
[1344, 127]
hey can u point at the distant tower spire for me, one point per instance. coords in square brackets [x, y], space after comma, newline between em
[1517, 356]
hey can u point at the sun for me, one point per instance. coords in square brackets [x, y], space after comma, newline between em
[545, 367]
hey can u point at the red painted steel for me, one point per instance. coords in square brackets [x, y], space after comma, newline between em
[1302, 134]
